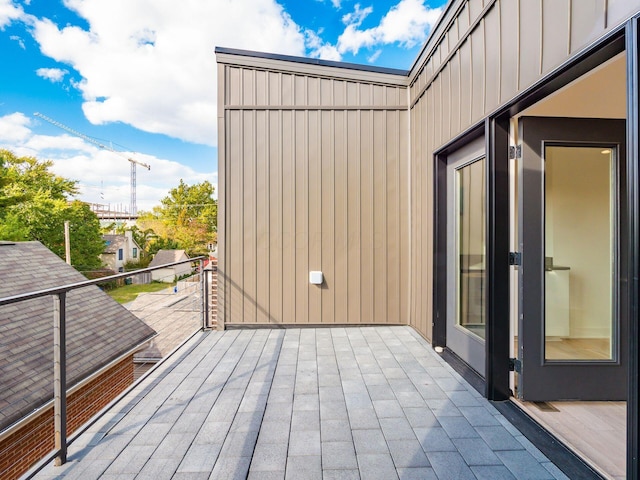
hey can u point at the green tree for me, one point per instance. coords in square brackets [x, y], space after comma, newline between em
[38, 202]
[187, 218]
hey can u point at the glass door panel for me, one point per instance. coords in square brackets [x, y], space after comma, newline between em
[470, 248]
[466, 303]
[579, 252]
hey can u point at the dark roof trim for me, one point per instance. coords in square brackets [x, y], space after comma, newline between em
[313, 61]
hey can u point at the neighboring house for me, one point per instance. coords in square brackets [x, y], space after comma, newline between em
[511, 145]
[102, 337]
[118, 250]
[169, 274]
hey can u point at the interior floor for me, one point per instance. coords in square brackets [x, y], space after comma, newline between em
[578, 349]
[596, 431]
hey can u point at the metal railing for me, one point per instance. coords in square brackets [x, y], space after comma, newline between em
[59, 295]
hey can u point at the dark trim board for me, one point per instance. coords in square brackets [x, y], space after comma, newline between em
[633, 252]
[312, 61]
[498, 269]
[439, 332]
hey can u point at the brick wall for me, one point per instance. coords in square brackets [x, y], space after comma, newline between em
[23, 448]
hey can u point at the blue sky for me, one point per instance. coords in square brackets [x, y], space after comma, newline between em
[140, 76]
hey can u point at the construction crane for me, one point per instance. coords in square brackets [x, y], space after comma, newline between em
[133, 207]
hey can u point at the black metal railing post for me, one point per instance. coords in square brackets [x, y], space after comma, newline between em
[60, 376]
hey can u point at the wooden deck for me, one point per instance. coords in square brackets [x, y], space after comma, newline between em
[597, 431]
[316, 403]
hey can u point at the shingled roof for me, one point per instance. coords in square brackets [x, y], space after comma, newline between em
[163, 257]
[99, 330]
[113, 243]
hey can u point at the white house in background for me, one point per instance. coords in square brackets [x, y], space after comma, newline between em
[118, 250]
[169, 274]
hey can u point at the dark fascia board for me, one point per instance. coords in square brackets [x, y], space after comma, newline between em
[312, 61]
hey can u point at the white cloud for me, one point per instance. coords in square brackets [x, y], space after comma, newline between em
[357, 16]
[9, 12]
[54, 74]
[20, 41]
[104, 176]
[14, 128]
[372, 58]
[151, 63]
[407, 24]
[319, 49]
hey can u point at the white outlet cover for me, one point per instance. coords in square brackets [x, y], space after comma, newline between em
[316, 278]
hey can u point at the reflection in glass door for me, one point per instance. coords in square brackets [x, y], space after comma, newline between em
[466, 251]
[470, 247]
[579, 262]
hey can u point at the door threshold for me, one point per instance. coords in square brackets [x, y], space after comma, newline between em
[594, 431]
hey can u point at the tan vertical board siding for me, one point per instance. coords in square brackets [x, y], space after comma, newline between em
[289, 208]
[391, 227]
[341, 225]
[475, 9]
[437, 109]
[366, 216]
[445, 99]
[274, 215]
[380, 248]
[327, 264]
[302, 238]
[530, 26]
[466, 82]
[222, 229]
[354, 213]
[463, 20]
[233, 249]
[404, 201]
[478, 65]
[492, 59]
[455, 94]
[555, 32]
[263, 222]
[313, 183]
[427, 227]
[587, 22]
[248, 191]
[416, 138]
[315, 206]
[620, 10]
[509, 59]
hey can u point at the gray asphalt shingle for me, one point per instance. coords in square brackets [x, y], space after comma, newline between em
[99, 330]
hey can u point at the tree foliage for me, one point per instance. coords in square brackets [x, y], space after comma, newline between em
[186, 219]
[35, 203]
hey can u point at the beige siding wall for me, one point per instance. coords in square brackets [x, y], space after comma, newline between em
[313, 173]
[479, 57]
